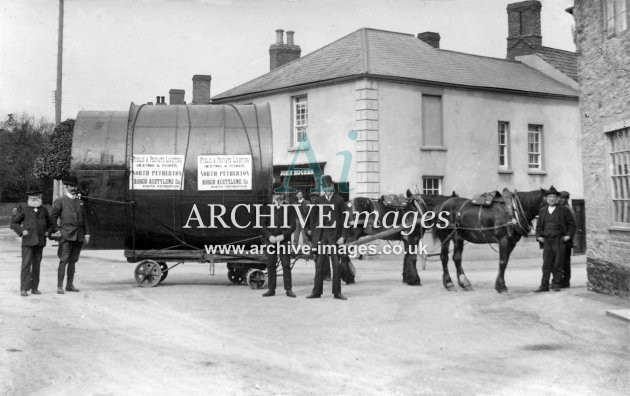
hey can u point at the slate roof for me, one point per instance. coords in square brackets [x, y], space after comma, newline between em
[565, 61]
[390, 55]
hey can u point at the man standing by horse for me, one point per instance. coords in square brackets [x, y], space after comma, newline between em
[555, 227]
[329, 209]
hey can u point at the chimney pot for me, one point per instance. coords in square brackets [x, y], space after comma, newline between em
[280, 54]
[279, 36]
[431, 38]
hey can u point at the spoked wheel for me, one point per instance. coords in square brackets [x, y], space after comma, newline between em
[255, 278]
[236, 276]
[148, 273]
[164, 269]
[232, 275]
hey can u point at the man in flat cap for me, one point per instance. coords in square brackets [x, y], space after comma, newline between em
[568, 248]
[329, 208]
[32, 222]
[554, 228]
[75, 231]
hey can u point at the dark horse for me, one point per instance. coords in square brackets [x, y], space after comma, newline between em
[503, 223]
[412, 203]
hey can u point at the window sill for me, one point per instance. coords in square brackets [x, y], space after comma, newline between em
[537, 172]
[295, 148]
[505, 171]
[619, 228]
[432, 148]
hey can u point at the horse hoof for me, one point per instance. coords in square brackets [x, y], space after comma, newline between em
[450, 286]
[414, 283]
[501, 289]
[467, 288]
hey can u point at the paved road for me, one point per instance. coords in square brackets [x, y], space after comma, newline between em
[197, 334]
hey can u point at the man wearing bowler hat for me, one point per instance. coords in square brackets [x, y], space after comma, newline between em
[75, 231]
[554, 228]
[33, 223]
[325, 237]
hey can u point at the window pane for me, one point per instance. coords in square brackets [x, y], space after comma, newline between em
[300, 119]
[619, 143]
[431, 120]
[431, 185]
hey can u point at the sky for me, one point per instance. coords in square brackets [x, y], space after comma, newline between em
[122, 51]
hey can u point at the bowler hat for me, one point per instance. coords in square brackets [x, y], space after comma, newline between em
[34, 190]
[70, 180]
[551, 191]
[564, 194]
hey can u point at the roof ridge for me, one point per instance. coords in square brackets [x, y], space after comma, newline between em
[478, 56]
[365, 51]
[560, 50]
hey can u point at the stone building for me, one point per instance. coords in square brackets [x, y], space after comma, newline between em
[602, 37]
[384, 111]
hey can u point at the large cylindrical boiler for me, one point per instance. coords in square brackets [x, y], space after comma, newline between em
[145, 171]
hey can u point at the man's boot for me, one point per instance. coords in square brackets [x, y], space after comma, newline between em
[59, 284]
[69, 285]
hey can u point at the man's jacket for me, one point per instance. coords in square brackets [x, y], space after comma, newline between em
[278, 213]
[37, 221]
[331, 215]
[73, 218]
[565, 219]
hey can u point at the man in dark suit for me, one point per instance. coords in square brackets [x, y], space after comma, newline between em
[554, 228]
[278, 240]
[568, 245]
[75, 231]
[329, 209]
[33, 223]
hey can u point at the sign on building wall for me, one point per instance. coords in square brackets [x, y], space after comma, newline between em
[157, 172]
[224, 172]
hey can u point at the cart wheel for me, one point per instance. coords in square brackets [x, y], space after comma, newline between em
[148, 273]
[240, 277]
[233, 276]
[164, 269]
[255, 278]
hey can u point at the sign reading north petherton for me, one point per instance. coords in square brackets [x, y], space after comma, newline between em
[214, 172]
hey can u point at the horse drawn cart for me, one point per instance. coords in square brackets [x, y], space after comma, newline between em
[152, 178]
[152, 267]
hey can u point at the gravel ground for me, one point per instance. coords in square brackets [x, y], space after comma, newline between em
[197, 334]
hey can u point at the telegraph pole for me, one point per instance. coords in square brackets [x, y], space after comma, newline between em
[59, 65]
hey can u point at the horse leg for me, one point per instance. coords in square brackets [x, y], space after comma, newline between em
[410, 271]
[458, 249]
[506, 245]
[446, 277]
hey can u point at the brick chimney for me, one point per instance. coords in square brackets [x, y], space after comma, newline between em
[431, 38]
[201, 89]
[176, 97]
[280, 53]
[524, 35]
